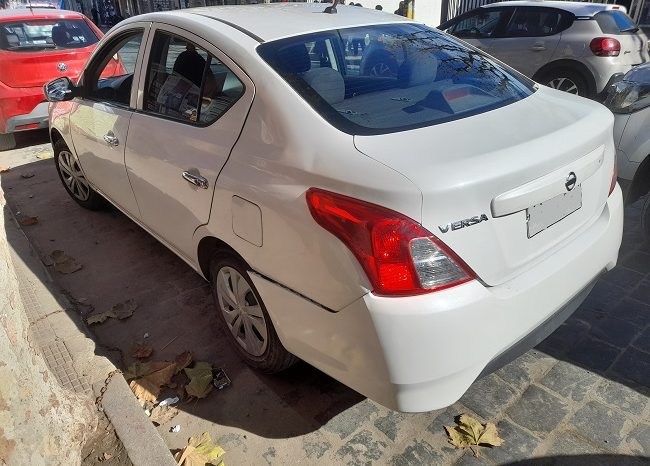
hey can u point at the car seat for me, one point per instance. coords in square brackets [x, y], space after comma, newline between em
[60, 36]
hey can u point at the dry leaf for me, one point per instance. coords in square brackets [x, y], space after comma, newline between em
[199, 452]
[44, 155]
[163, 414]
[148, 378]
[5, 170]
[118, 311]
[64, 263]
[470, 433]
[183, 360]
[27, 221]
[200, 376]
[141, 351]
[27, 175]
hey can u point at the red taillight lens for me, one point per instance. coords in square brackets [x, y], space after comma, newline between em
[605, 47]
[398, 255]
[612, 184]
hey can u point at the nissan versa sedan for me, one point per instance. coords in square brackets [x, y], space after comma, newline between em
[368, 225]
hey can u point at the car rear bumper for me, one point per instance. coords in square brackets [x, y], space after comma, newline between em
[22, 109]
[423, 352]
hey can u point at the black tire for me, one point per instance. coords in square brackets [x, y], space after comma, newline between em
[91, 201]
[567, 80]
[7, 141]
[645, 218]
[274, 357]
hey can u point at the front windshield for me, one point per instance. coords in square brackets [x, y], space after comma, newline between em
[386, 78]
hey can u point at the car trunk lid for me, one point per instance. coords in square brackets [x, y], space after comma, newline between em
[481, 177]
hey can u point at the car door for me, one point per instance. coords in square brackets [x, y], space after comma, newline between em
[479, 27]
[530, 38]
[194, 104]
[99, 124]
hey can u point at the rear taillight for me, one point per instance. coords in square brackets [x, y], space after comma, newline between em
[612, 183]
[605, 47]
[398, 255]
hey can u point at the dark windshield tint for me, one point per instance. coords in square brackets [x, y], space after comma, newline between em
[387, 78]
[615, 22]
[46, 34]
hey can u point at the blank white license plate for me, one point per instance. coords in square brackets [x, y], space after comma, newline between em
[547, 213]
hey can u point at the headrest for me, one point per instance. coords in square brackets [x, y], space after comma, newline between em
[294, 58]
[60, 35]
[327, 82]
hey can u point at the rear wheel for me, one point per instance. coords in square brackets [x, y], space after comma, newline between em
[566, 80]
[7, 141]
[243, 314]
[73, 178]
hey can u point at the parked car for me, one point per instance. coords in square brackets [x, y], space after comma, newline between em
[576, 47]
[629, 99]
[37, 45]
[368, 225]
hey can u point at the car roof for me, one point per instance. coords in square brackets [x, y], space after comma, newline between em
[270, 21]
[581, 9]
[36, 13]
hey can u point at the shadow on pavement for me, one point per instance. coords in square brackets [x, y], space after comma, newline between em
[582, 460]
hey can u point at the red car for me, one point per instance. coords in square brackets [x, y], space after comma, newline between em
[37, 46]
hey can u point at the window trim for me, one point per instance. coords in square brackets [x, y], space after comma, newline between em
[114, 37]
[183, 34]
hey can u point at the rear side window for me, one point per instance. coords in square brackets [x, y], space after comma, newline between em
[46, 34]
[387, 78]
[536, 22]
[615, 22]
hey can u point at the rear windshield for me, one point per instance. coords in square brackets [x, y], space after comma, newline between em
[615, 22]
[387, 78]
[46, 34]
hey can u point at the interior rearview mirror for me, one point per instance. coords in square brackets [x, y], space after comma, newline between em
[59, 89]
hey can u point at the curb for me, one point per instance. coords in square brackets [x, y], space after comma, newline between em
[141, 440]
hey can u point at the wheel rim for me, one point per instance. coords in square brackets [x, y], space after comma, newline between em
[380, 69]
[242, 311]
[564, 84]
[72, 175]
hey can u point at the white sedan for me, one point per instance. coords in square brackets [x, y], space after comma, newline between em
[405, 227]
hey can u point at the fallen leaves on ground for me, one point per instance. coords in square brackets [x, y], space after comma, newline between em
[470, 433]
[141, 351]
[149, 378]
[44, 155]
[200, 384]
[200, 451]
[118, 311]
[183, 360]
[163, 414]
[5, 169]
[27, 175]
[64, 263]
[27, 221]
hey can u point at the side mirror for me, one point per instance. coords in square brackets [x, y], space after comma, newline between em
[59, 89]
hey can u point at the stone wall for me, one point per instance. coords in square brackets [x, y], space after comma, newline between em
[40, 422]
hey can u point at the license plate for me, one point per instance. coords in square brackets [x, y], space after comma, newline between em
[547, 213]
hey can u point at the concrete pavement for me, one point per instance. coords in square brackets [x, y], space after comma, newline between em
[581, 397]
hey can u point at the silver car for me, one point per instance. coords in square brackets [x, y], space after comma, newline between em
[576, 47]
[629, 99]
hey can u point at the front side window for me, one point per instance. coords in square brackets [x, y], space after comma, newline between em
[110, 77]
[403, 76]
[481, 24]
[55, 34]
[186, 83]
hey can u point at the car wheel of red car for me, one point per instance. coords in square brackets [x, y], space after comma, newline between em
[7, 141]
[74, 179]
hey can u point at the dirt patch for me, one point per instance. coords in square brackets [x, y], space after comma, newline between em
[104, 448]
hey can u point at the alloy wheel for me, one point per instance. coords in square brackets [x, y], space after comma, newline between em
[564, 84]
[73, 177]
[242, 311]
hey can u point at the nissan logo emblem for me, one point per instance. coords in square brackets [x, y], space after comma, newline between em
[62, 67]
[571, 180]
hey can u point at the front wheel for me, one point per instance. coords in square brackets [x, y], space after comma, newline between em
[73, 178]
[243, 314]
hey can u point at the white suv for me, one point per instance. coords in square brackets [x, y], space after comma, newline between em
[366, 224]
[576, 47]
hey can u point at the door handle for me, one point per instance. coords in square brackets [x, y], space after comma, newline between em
[538, 47]
[196, 180]
[111, 139]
